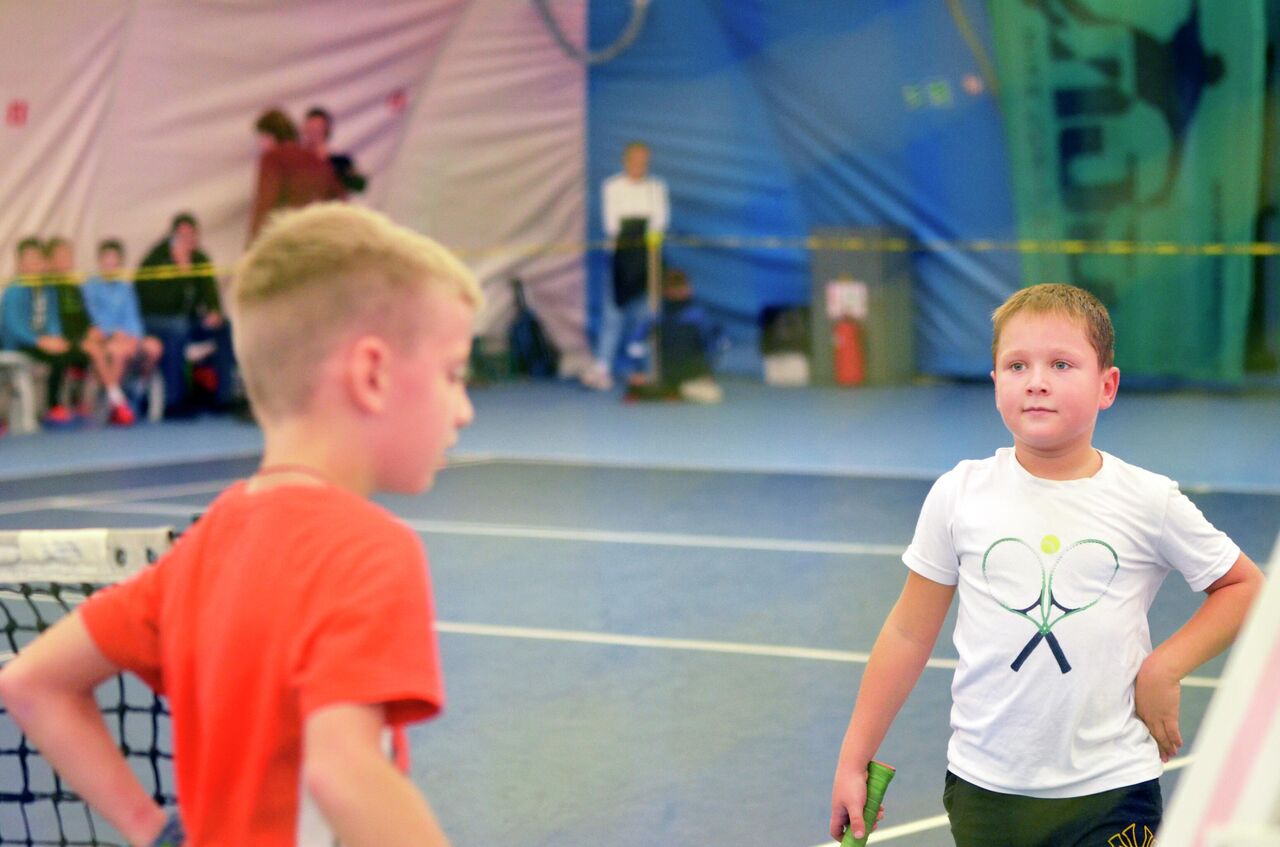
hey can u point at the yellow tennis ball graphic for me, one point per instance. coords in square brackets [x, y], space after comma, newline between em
[1050, 544]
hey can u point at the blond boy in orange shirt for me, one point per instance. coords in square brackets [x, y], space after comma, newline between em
[291, 627]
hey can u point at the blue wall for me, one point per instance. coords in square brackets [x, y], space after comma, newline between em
[775, 118]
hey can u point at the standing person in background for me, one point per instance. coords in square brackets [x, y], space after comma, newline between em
[178, 295]
[113, 308]
[636, 209]
[289, 176]
[317, 128]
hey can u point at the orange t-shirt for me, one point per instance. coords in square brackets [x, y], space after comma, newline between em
[272, 605]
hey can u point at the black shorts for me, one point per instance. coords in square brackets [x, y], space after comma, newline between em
[1122, 817]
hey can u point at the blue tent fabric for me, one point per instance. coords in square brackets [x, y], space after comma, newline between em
[775, 119]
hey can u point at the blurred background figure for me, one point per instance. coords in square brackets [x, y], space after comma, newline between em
[289, 175]
[317, 129]
[178, 295]
[636, 208]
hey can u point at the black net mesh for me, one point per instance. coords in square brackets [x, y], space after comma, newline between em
[35, 807]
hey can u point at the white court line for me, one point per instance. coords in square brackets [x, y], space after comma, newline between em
[667, 539]
[660, 539]
[820, 469]
[102, 498]
[939, 821]
[688, 644]
[698, 645]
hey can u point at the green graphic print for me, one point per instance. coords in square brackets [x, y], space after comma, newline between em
[1014, 573]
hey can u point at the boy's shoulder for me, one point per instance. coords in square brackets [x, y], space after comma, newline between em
[1003, 467]
[334, 515]
[977, 471]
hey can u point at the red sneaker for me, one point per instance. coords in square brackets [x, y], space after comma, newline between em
[122, 415]
[59, 415]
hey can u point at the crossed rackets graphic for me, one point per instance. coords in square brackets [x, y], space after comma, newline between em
[1016, 574]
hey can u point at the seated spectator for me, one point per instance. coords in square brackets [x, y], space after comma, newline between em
[77, 326]
[113, 309]
[289, 176]
[178, 296]
[688, 338]
[30, 323]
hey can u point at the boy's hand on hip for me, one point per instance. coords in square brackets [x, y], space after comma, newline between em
[1156, 697]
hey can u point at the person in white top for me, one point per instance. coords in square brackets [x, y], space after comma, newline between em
[1062, 712]
[636, 211]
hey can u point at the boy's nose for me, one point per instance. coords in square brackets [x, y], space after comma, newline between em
[466, 412]
[1037, 384]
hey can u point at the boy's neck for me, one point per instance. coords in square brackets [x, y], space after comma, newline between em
[1079, 462]
[304, 454]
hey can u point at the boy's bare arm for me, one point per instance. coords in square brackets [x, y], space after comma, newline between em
[898, 657]
[48, 690]
[1206, 634]
[366, 801]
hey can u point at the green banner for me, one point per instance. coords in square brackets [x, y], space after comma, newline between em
[1135, 126]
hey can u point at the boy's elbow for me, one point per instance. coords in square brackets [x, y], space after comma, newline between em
[328, 769]
[17, 691]
[322, 782]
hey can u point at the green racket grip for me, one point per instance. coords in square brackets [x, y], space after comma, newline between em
[878, 777]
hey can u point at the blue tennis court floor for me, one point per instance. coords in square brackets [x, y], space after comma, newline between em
[650, 655]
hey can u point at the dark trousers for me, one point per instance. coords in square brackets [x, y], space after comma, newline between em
[982, 818]
[57, 363]
[175, 332]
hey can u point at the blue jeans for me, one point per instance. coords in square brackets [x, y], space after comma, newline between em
[175, 332]
[623, 326]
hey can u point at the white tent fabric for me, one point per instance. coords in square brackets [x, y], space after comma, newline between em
[495, 155]
[465, 115]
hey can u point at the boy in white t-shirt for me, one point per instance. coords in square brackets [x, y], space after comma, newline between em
[1062, 712]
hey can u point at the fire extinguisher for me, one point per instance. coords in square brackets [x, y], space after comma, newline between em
[846, 343]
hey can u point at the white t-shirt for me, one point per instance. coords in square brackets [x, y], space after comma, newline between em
[625, 197]
[1082, 559]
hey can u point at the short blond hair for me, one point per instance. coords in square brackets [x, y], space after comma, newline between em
[1065, 300]
[314, 276]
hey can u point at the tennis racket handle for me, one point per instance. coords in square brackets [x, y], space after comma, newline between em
[878, 776]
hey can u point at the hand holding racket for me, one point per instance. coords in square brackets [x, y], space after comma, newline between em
[867, 795]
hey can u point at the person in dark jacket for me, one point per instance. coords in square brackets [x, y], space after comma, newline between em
[178, 295]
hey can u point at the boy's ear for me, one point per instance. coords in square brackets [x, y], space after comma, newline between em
[367, 373]
[1110, 385]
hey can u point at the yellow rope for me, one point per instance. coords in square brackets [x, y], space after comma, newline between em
[852, 244]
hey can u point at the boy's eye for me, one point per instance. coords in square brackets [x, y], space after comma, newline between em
[1061, 365]
[1017, 367]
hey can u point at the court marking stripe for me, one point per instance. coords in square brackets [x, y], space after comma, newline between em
[659, 539]
[696, 645]
[137, 464]
[938, 821]
[104, 498]
[858, 472]
[721, 542]
[699, 645]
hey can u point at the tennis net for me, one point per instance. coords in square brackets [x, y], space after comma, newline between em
[43, 576]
